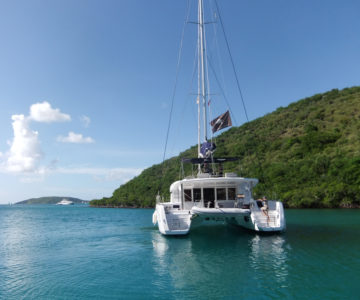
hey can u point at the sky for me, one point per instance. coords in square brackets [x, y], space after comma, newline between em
[86, 86]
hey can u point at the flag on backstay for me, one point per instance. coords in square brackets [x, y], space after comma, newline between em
[221, 122]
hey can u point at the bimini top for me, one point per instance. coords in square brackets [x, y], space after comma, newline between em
[213, 181]
[208, 160]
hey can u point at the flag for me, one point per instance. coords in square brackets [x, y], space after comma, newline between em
[221, 122]
[207, 149]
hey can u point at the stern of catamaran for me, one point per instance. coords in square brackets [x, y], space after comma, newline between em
[208, 199]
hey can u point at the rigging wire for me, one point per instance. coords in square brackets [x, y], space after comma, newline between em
[216, 41]
[176, 78]
[222, 90]
[208, 64]
[177, 131]
[222, 84]
[232, 61]
[255, 161]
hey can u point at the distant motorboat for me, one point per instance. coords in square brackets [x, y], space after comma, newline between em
[65, 202]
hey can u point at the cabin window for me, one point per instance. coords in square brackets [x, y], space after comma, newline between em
[187, 195]
[197, 195]
[221, 194]
[231, 194]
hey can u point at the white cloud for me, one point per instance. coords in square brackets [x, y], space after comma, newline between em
[43, 112]
[85, 121]
[24, 155]
[25, 151]
[75, 138]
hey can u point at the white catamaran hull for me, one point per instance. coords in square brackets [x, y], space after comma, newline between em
[172, 223]
[179, 222]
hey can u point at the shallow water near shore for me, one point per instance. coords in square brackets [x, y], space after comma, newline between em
[78, 252]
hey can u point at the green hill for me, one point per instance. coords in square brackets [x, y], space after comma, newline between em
[307, 155]
[50, 200]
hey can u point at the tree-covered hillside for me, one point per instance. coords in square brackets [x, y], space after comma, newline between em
[50, 200]
[307, 155]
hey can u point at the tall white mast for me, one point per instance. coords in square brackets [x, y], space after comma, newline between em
[202, 57]
[198, 92]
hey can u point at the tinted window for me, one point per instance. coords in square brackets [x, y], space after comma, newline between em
[231, 194]
[209, 197]
[209, 194]
[187, 195]
[197, 194]
[221, 194]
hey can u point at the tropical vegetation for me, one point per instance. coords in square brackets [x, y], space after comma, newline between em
[306, 154]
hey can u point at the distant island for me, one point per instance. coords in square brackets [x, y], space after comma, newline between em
[306, 155]
[52, 200]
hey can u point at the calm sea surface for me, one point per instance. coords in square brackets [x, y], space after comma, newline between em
[77, 252]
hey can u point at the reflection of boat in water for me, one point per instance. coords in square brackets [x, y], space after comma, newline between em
[212, 196]
[270, 253]
[218, 263]
[65, 202]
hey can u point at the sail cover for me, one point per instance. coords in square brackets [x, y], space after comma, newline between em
[221, 122]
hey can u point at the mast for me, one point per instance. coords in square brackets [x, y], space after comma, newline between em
[198, 92]
[201, 72]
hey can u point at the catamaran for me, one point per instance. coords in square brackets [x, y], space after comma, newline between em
[212, 196]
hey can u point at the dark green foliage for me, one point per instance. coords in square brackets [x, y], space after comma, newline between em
[307, 155]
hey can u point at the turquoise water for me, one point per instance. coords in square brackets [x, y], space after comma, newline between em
[52, 252]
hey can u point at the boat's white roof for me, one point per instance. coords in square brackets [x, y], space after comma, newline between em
[213, 181]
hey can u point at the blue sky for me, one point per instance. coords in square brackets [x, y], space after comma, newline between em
[85, 86]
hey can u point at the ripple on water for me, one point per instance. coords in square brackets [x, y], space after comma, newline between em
[80, 253]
